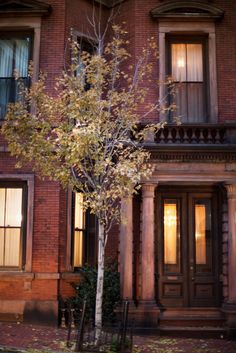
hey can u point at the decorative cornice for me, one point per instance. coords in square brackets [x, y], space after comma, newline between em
[190, 156]
[190, 9]
[24, 7]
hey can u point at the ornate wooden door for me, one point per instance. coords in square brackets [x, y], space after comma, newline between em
[187, 248]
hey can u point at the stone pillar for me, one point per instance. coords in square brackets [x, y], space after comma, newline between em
[147, 245]
[126, 248]
[229, 307]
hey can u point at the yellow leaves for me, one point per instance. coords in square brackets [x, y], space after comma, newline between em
[86, 135]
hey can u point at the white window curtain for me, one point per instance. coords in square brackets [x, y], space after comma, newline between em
[10, 226]
[14, 58]
[187, 72]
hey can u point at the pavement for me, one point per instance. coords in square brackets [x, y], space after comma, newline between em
[35, 339]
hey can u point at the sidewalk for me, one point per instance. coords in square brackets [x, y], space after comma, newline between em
[46, 339]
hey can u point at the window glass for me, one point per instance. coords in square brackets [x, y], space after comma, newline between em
[11, 209]
[83, 234]
[171, 235]
[14, 59]
[203, 233]
[79, 229]
[187, 71]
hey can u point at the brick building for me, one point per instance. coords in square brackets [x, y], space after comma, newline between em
[177, 250]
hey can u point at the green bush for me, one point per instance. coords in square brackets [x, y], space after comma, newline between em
[86, 289]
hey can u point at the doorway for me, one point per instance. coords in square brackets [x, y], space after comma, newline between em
[187, 247]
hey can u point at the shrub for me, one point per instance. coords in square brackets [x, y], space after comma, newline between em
[86, 289]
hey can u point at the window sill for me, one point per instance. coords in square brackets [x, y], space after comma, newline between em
[15, 275]
[70, 276]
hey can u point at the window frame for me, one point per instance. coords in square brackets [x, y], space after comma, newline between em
[30, 24]
[22, 251]
[190, 39]
[12, 34]
[88, 258]
[190, 28]
[27, 246]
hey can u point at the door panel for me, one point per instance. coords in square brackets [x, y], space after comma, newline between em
[187, 249]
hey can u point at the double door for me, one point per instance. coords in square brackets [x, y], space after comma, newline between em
[187, 248]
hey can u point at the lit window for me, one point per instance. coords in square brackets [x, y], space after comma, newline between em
[79, 229]
[187, 68]
[11, 226]
[84, 233]
[14, 61]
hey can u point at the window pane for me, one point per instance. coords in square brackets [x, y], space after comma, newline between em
[203, 232]
[78, 248]
[22, 56]
[13, 207]
[194, 63]
[1, 247]
[196, 111]
[170, 232]
[181, 102]
[6, 57]
[79, 212]
[2, 206]
[178, 62]
[12, 247]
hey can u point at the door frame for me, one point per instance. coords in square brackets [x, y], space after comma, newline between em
[181, 282]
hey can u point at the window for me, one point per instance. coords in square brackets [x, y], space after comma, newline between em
[88, 47]
[12, 225]
[14, 59]
[191, 24]
[83, 233]
[187, 67]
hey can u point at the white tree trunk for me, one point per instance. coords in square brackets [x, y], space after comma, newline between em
[100, 281]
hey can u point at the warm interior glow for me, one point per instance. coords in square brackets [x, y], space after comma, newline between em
[170, 233]
[10, 223]
[78, 249]
[200, 234]
[187, 62]
[79, 225]
[180, 63]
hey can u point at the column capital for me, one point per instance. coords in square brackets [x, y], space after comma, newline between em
[231, 190]
[148, 190]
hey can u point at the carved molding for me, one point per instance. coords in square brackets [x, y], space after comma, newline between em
[231, 190]
[24, 7]
[148, 190]
[187, 10]
[189, 156]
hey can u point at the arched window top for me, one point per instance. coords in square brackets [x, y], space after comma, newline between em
[190, 10]
[24, 7]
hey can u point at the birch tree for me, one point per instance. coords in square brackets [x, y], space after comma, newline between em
[89, 139]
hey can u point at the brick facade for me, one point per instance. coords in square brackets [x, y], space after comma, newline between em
[24, 294]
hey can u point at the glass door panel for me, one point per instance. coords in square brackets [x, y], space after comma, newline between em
[171, 235]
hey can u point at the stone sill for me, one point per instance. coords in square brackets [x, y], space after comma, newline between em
[28, 276]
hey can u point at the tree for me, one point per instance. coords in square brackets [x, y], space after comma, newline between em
[89, 139]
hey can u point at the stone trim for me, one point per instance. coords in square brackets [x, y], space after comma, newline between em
[180, 10]
[167, 26]
[25, 23]
[24, 7]
[189, 156]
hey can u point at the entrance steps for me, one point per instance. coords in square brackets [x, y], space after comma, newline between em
[192, 322]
